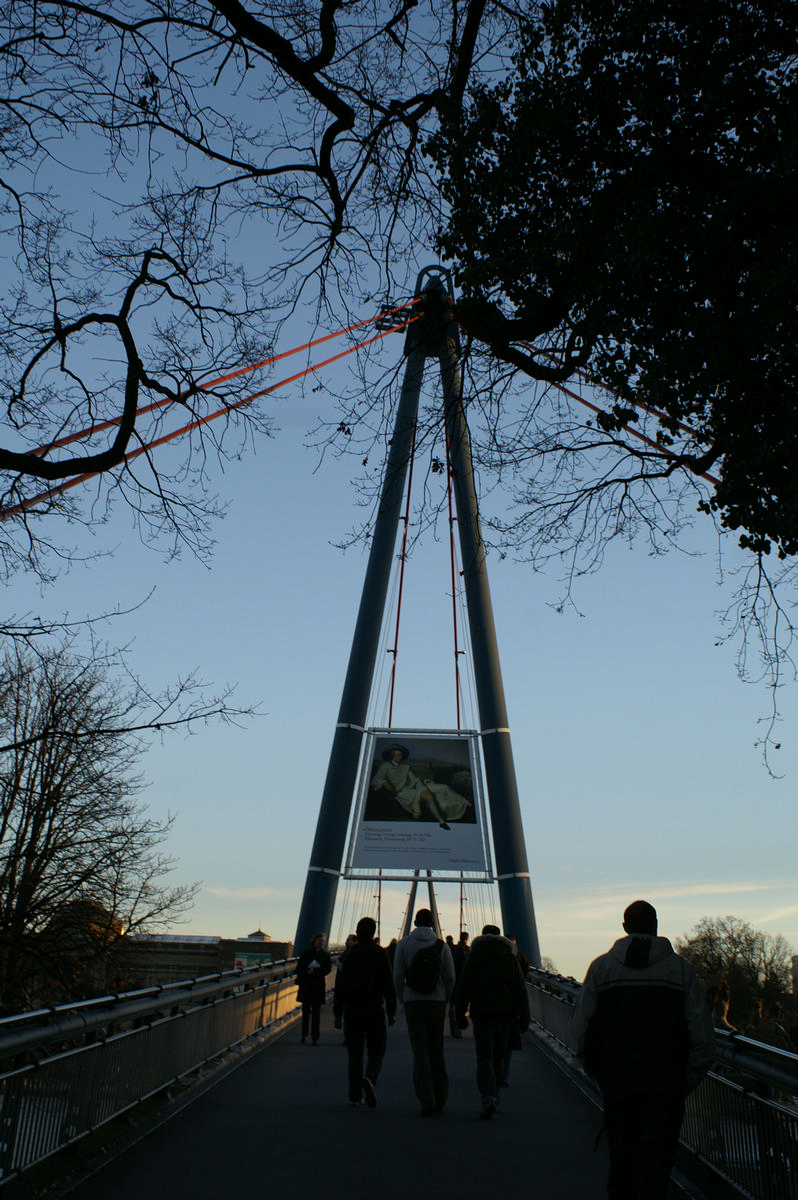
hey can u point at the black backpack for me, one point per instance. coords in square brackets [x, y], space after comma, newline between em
[424, 969]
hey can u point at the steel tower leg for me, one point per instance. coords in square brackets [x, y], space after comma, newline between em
[316, 912]
[515, 891]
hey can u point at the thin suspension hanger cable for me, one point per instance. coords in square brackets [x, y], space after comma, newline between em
[394, 650]
[453, 568]
[379, 705]
[402, 563]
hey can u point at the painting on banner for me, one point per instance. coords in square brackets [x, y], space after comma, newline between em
[420, 802]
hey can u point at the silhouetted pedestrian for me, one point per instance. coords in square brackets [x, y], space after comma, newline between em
[314, 964]
[364, 996]
[459, 952]
[645, 1033]
[423, 986]
[514, 1038]
[492, 988]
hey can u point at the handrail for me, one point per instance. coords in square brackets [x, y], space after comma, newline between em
[39, 1028]
[741, 1123]
[66, 1071]
[768, 1064]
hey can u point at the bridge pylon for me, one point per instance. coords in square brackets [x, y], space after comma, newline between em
[433, 336]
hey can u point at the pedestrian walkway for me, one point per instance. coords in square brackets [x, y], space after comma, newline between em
[280, 1121]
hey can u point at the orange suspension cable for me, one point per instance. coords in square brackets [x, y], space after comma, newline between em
[655, 412]
[205, 387]
[638, 404]
[70, 483]
[635, 433]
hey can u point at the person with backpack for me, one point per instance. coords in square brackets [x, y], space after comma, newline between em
[423, 973]
[364, 995]
[493, 989]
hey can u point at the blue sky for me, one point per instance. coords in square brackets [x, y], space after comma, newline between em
[633, 738]
[634, 741]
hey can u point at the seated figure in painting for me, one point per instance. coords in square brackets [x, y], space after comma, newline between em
[396, 776]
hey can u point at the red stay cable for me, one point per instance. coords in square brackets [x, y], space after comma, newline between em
[205, 387]
[638, 404]
[655, 412]
[16, 509]
[635, 432]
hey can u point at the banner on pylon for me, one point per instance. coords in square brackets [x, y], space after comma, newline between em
[420, 803]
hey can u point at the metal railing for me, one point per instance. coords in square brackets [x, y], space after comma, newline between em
[741, 1122]
[65, 1071]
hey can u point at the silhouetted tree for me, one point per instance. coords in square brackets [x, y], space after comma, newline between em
[622, 205]
[81, 864]
[755, 965]
[177, 178]
[180, 177]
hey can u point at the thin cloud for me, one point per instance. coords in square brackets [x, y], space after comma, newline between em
[604, 897]
[570, 915]
[250, 893]
[677, 891]
[779, 914]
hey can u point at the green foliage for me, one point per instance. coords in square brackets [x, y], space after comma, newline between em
[626, 199]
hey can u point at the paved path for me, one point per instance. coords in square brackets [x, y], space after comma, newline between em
[280, 1125]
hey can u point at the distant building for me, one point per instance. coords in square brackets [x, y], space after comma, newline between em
[78, 954]
[171, 958]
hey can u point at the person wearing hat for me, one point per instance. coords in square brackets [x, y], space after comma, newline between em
[395, 776]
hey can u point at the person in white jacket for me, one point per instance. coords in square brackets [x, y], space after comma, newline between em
[644, 1030]
[425, 1012]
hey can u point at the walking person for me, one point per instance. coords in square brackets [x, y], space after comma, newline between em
[514, 1039]
[364, 997]
[459, 952]
[492, 988]
[645, 1033]
[423, 974]
[313, 966]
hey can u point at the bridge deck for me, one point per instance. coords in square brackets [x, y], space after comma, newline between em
[281, 1121]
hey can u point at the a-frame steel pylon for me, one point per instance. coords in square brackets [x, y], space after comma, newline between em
[434, 336]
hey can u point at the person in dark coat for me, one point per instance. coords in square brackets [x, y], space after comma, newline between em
[644, 1030]
[364, 996]
[492, 988]
[313, 966]
[514, 1041]
[459, 952]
